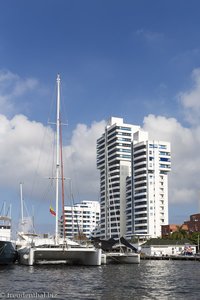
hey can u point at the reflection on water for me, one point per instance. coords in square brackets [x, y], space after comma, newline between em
[148, 280]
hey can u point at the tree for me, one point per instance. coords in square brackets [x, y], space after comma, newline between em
[179, 234]
[195, 237]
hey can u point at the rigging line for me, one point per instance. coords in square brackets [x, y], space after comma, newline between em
[76, 216]
[41, 147]
[53, 159]
[62, 177]
[67, 195]
[113, 201]
[38, 162]
[27, 212]
[74, 173]
[2, 209]
[52, 107]
[46, 193]
[76, 181]
[8, 210]
[74, 212]
[71, 204]
[63, 106]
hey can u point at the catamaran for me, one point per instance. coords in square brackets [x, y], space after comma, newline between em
[58, 249]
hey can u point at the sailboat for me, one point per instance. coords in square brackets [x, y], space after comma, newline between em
[26, 234]
[8, 254]
[123, 253]
[57, 249]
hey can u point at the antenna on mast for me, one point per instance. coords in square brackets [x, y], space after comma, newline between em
[22, 204]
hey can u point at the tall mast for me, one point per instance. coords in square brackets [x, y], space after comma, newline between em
[22, 204]
[57, 152]
[62, 179]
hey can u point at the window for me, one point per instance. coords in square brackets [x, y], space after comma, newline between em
[153, 146]
[162, 147]
[123, 128]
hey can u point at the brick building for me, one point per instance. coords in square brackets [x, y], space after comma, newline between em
[194, 223]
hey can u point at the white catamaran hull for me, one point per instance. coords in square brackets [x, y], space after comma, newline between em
[77, 256]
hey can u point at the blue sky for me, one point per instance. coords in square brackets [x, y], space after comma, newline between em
[132, 53]
[133, 59]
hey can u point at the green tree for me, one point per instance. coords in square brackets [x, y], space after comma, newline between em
[194, 237]
[179, 234]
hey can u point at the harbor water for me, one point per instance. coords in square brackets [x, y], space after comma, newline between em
[147, 280]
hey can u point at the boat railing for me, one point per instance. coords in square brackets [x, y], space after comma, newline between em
[4, 238]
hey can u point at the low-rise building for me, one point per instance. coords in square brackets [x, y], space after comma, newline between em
[164, 247]
[194, 223]
[167, 230]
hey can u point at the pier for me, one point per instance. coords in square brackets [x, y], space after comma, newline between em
[170, 257]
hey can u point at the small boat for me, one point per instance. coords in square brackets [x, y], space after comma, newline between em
[118, 251]
[8, 254]
[122, 255]
[36, 250]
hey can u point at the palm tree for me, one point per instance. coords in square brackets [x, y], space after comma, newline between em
[179, 234]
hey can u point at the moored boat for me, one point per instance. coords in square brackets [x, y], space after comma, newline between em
[56, 254]
[121, 255]
[118, 251]
[8, 254]
[57, 250]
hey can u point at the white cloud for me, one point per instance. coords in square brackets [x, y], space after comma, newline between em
[191, 99]
[20, 149]
[149, 36]
[81, 159]
[27, 147]
[185, 144]
[27, 154]
[12, 87]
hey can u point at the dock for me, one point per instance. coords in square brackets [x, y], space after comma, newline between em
[170, 257]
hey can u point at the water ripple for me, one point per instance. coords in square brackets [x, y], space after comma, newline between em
[162, 280]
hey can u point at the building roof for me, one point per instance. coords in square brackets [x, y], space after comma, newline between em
[163, 242]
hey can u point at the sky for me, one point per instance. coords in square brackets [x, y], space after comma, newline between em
[137, 60]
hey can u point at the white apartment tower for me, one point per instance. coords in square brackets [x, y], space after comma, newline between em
[81, 218]
[114, 163]
[133, 181]
[147, 188]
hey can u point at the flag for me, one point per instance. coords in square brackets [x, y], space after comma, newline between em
[52, 211]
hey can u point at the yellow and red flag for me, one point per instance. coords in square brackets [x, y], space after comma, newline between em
[52, 211]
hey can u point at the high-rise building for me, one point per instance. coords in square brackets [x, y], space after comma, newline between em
[133, 181]
[147, 187]
[114, 163]
[81, 219]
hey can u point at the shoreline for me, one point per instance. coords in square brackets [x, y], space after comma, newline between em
[170, 257]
